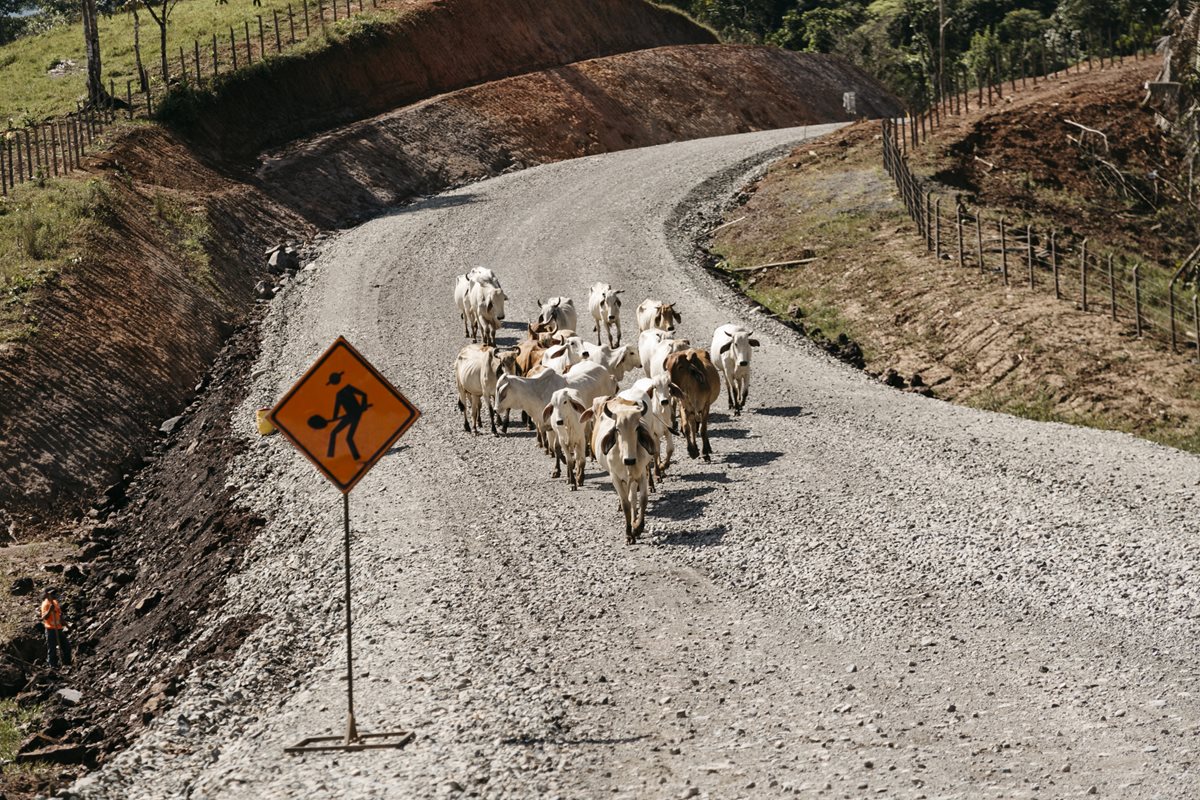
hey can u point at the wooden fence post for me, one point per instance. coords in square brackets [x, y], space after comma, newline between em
[307, 32]
[959, 214]
[215, 62]
[1054, 263]
[249, 50]
[1196, 323]
[196, 59]
[129, 99]
[278, 39]
[262, 42]
[1029, 252]
[1112, 289]
[233, 47]
[3, 170]
[979, 237]
[1003, 251]
[1137, 300]
[291, 25]
[333, 5]
[937, 228]
[1083, 274]
[928, 216]
[54, 147]
[321, 16]
[20, 157]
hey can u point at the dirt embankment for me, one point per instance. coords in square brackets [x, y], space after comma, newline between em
[434, 46]
[602, 105]
[926, 324]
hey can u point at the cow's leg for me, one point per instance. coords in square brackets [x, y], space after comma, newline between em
[476, 402]
[580, 460]
[670, 451]
[462, 406]
[598, 333]
[730, 392]
[492, 415]
[745, 393]
[617, 325]
[689, 432]
[627, 508]
[558, 457]
[507, 419]
[704, 434]
[466, 330]
[641, 498]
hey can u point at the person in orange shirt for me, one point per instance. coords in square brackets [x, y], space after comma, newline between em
[56, 634]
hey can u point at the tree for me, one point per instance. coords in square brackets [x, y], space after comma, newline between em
[91, 46]
[818, 29]
[160, 11]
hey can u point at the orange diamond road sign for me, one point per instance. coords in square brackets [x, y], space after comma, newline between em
[343, 415]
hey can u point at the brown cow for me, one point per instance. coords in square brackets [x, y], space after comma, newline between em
[697, 385]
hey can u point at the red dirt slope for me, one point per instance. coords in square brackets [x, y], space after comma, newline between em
[608, 104]
[436, 46]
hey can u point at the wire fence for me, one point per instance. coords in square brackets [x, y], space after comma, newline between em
[1148, 298]
[48, 149]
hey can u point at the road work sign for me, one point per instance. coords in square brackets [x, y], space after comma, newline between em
[343, 415]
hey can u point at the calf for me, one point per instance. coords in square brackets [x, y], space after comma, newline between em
[532, 394]
[559, 311]
[731, 347]
[696, 384]
[563, 416]
[605, 305]
[656, 314]
[486, 309]
[623, 445]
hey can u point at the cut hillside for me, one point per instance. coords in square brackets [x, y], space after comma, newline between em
[865, 285]
[603, 105]
[430, 47]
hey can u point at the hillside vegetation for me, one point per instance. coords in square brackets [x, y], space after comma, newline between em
[898, 41]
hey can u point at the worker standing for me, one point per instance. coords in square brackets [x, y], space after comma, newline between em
[56, 634]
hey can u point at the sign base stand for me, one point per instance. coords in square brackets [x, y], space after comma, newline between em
[365, 741]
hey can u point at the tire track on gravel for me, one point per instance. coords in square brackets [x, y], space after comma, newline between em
[866, 591]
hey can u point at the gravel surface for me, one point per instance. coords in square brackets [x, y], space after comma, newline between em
[866, 593]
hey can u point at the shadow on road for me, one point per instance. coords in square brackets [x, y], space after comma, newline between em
[701, 538]
[543, 740]
[435, 203]
[681, 503]
[754, 458]
[783, 411]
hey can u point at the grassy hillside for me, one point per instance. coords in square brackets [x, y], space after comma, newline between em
[30, 90]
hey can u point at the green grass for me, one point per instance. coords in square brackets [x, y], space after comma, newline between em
[43, 226]
[189, 229]
[12, 720]
[29, 92]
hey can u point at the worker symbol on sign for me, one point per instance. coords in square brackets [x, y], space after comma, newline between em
[349, 404]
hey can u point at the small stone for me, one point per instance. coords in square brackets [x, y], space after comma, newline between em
[952, 708]
[168, 427]
[852, 668]
[147, 603]
[70, 696]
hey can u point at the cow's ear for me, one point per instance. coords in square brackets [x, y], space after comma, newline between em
[676, 391]
[646, 441]
[586, 416]
[678, 316]
[539, 302]
[608, 441]
[556, 353]
[725, 347]
[489, 305]
[546, 412]
[578, 406]
[608, 412]
[754, 343]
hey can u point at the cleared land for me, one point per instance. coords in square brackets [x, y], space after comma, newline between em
[968, 338]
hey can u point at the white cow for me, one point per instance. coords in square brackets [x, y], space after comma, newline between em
[623, 445]
[559, 311]
[476, 371]
[648, 340]
[605, 305]
[618, 360]
[532, 394]
[462, 288]
[731, 349]
[656, 314]
[485, 309]
[663, 349]
[563, 416]
[656, 394]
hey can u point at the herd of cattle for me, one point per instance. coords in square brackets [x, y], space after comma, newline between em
[569, 389]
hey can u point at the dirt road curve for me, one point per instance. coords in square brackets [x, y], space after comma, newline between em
[866, 593]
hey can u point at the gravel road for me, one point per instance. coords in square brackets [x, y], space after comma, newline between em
[866, 593]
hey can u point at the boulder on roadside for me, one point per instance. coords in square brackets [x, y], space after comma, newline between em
[147, 603]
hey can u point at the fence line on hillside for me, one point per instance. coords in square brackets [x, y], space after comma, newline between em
[1149, 299]
[56, 147]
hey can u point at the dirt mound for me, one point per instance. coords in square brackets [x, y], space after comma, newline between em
[433, 47]
[603, 105]
[1025, 155]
